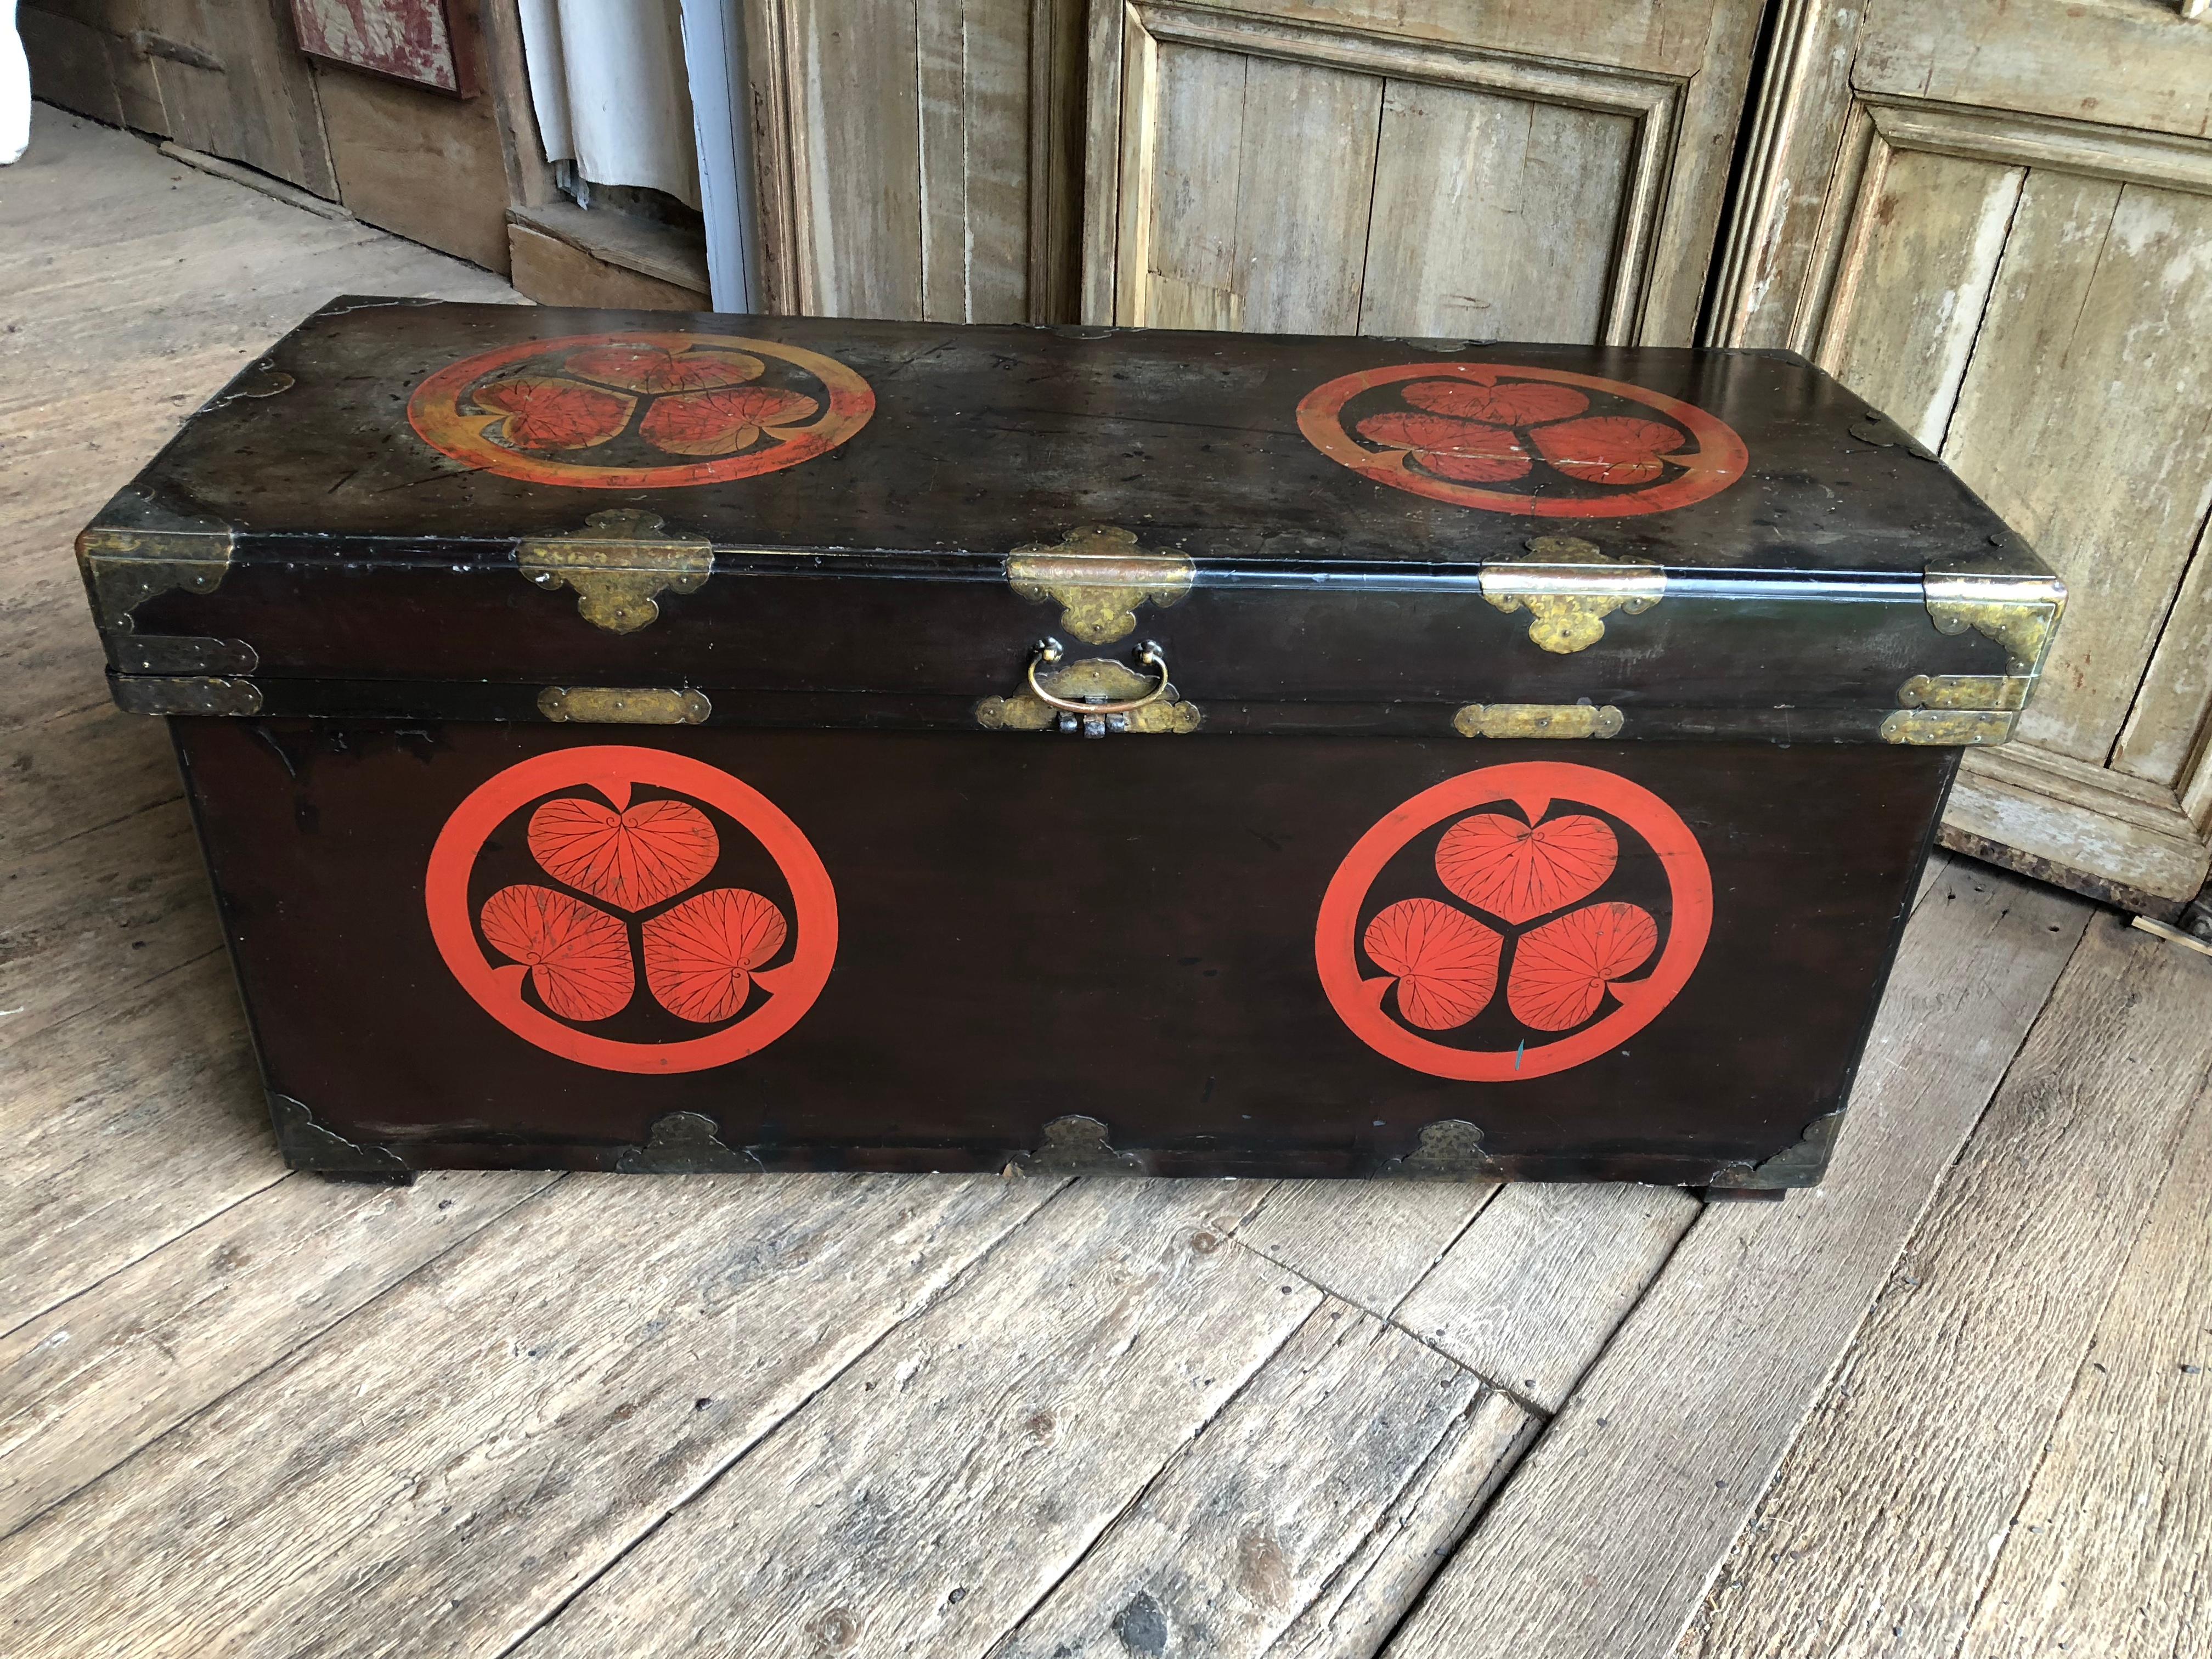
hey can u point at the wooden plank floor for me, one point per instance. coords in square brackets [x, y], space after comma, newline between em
[1958, 1402]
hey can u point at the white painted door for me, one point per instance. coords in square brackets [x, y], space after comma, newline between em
[1993, 218]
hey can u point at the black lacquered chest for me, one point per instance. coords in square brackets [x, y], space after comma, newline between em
[635, 742]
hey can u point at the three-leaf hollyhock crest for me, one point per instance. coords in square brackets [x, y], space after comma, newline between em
[1446, 961]
[1478, 429]
[695, 400]
[699, 955]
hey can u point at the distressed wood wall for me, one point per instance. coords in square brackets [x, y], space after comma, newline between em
[221, 76]
[919, 159]
[1340, 166]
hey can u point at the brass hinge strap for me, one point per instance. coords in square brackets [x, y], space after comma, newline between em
[1950, 728]
[183, 693]
[1537, 719]
[624, 705]
[618, 564]
[1569, 588]
[1983, 691]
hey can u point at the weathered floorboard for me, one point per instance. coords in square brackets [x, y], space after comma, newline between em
[1604, 1540]
[444, 1469]
[89, 1382]
[127, 1125]
[1878, 1534]
[2083, 1570]
[1529, 1294]
[937, 1491]
[1352, 1429]
[1367, 1242]
[125, 1085]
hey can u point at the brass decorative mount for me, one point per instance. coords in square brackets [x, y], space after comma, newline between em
[1098, 576]
[1568, 586]
[624, 705]
[619, 564]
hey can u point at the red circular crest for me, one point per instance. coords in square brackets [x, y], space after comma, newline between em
[621, 881]
[1529, 911]
[1573, 446]
[640, 410]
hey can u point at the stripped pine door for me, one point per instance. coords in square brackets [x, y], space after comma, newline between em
[1528, 170]
[917, 159]
[1993, 219]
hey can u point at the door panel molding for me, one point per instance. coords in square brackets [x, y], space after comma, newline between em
[1126, 38]
[1878, 128]
[2128, 842]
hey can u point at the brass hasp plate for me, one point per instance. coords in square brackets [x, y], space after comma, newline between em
[624, 705]
[1537, 719]
[1092, 697]
[1568, 586]
[619, 564]
[1098, 576]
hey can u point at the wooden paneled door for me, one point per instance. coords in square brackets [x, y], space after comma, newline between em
[1993, 219]
[1533, 170]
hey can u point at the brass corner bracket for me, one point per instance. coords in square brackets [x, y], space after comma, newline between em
[1569, 588]
[124, 568]
[309, 1145]
[619, 564]
[1098, 576]
[1799, 1165]
[686, 1143]
[1537, 719]
[1449, 1149]
[2018, 612]
[1076, 1144]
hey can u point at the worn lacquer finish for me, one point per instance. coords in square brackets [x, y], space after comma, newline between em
[1187, 1024]
[1327, 534]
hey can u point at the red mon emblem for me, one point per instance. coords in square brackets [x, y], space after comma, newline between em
[606, 880]
[646, 411]
[1590, 939]
[1511, 438]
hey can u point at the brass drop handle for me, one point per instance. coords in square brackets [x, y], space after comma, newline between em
[1049, 651]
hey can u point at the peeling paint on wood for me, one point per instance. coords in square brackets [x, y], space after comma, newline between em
[407, 39]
